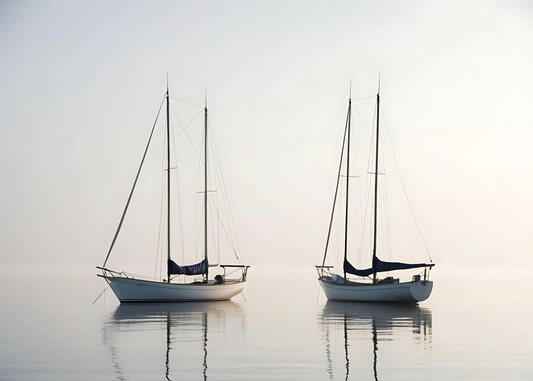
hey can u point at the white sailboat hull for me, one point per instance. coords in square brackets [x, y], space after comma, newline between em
[129, 290]
[406, 292]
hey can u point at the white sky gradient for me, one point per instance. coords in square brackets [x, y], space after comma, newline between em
[81, 81]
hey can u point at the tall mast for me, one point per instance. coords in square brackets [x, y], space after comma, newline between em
[205, 188]
[337, 186]
[347, 184]
[376, 189]
[168, 185]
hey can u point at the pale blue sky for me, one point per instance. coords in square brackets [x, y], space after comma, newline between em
[80, 83]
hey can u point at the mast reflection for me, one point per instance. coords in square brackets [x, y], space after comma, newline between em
[380, 323]
[134, 328]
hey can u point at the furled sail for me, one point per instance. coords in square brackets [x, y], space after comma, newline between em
[196, 269]
[379, 266]
[352, 270]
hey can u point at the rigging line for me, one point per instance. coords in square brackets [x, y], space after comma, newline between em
[160, 246]
[211, 201]
[224, 229]
[102, 293]
[199, 227]
[364, 99]
[337, 186]
[363, 123]
[226, 202]
[216, 201]
[364, 213]
[187, 103]
[384, 210]
[184, 128]
[358, 207]
[180, 213]
[199, 210]
[371, 150]
[160, 229]
[134, 184]
[368, 182]
[405, 192]
[365, 218]
[232, 235]
[335, 239]
[335, 226]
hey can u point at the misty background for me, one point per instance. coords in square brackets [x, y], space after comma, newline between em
[81, 82]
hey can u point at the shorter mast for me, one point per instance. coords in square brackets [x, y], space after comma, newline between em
[205, 190]
[347, 185]
[168, 186]
[376, 190]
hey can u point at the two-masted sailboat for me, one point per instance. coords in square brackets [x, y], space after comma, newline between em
[367, 287]
[177, 286]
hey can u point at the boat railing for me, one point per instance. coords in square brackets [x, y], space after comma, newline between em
[427, 270]
[423, 276]
[114, 274]
[324, 271]
[243, 268]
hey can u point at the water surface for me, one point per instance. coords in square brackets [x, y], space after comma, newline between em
[472, 328]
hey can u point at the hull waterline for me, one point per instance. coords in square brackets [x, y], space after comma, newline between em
[129, 290]
[407, 292]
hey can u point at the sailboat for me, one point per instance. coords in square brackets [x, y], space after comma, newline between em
[367, 287]
[177, 287]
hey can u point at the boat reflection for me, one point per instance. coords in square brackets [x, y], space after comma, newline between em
[132, 330]
[359, 323]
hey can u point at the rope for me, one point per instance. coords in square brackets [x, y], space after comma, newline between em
[134, 184]
[102, 293]
[406, 196]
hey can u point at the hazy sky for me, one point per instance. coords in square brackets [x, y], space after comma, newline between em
[81, 81]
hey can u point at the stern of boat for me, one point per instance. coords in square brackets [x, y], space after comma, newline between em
[421, 290]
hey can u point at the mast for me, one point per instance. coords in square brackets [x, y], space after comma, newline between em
[168, 185]
[205, 188]
[376, 189]
[347, 185]
[336, 187]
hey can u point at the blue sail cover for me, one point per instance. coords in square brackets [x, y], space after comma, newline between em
[197, 269]
[379, 266]
[348, 268]
[382, 266]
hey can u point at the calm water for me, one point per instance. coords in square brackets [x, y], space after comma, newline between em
[472, 328]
